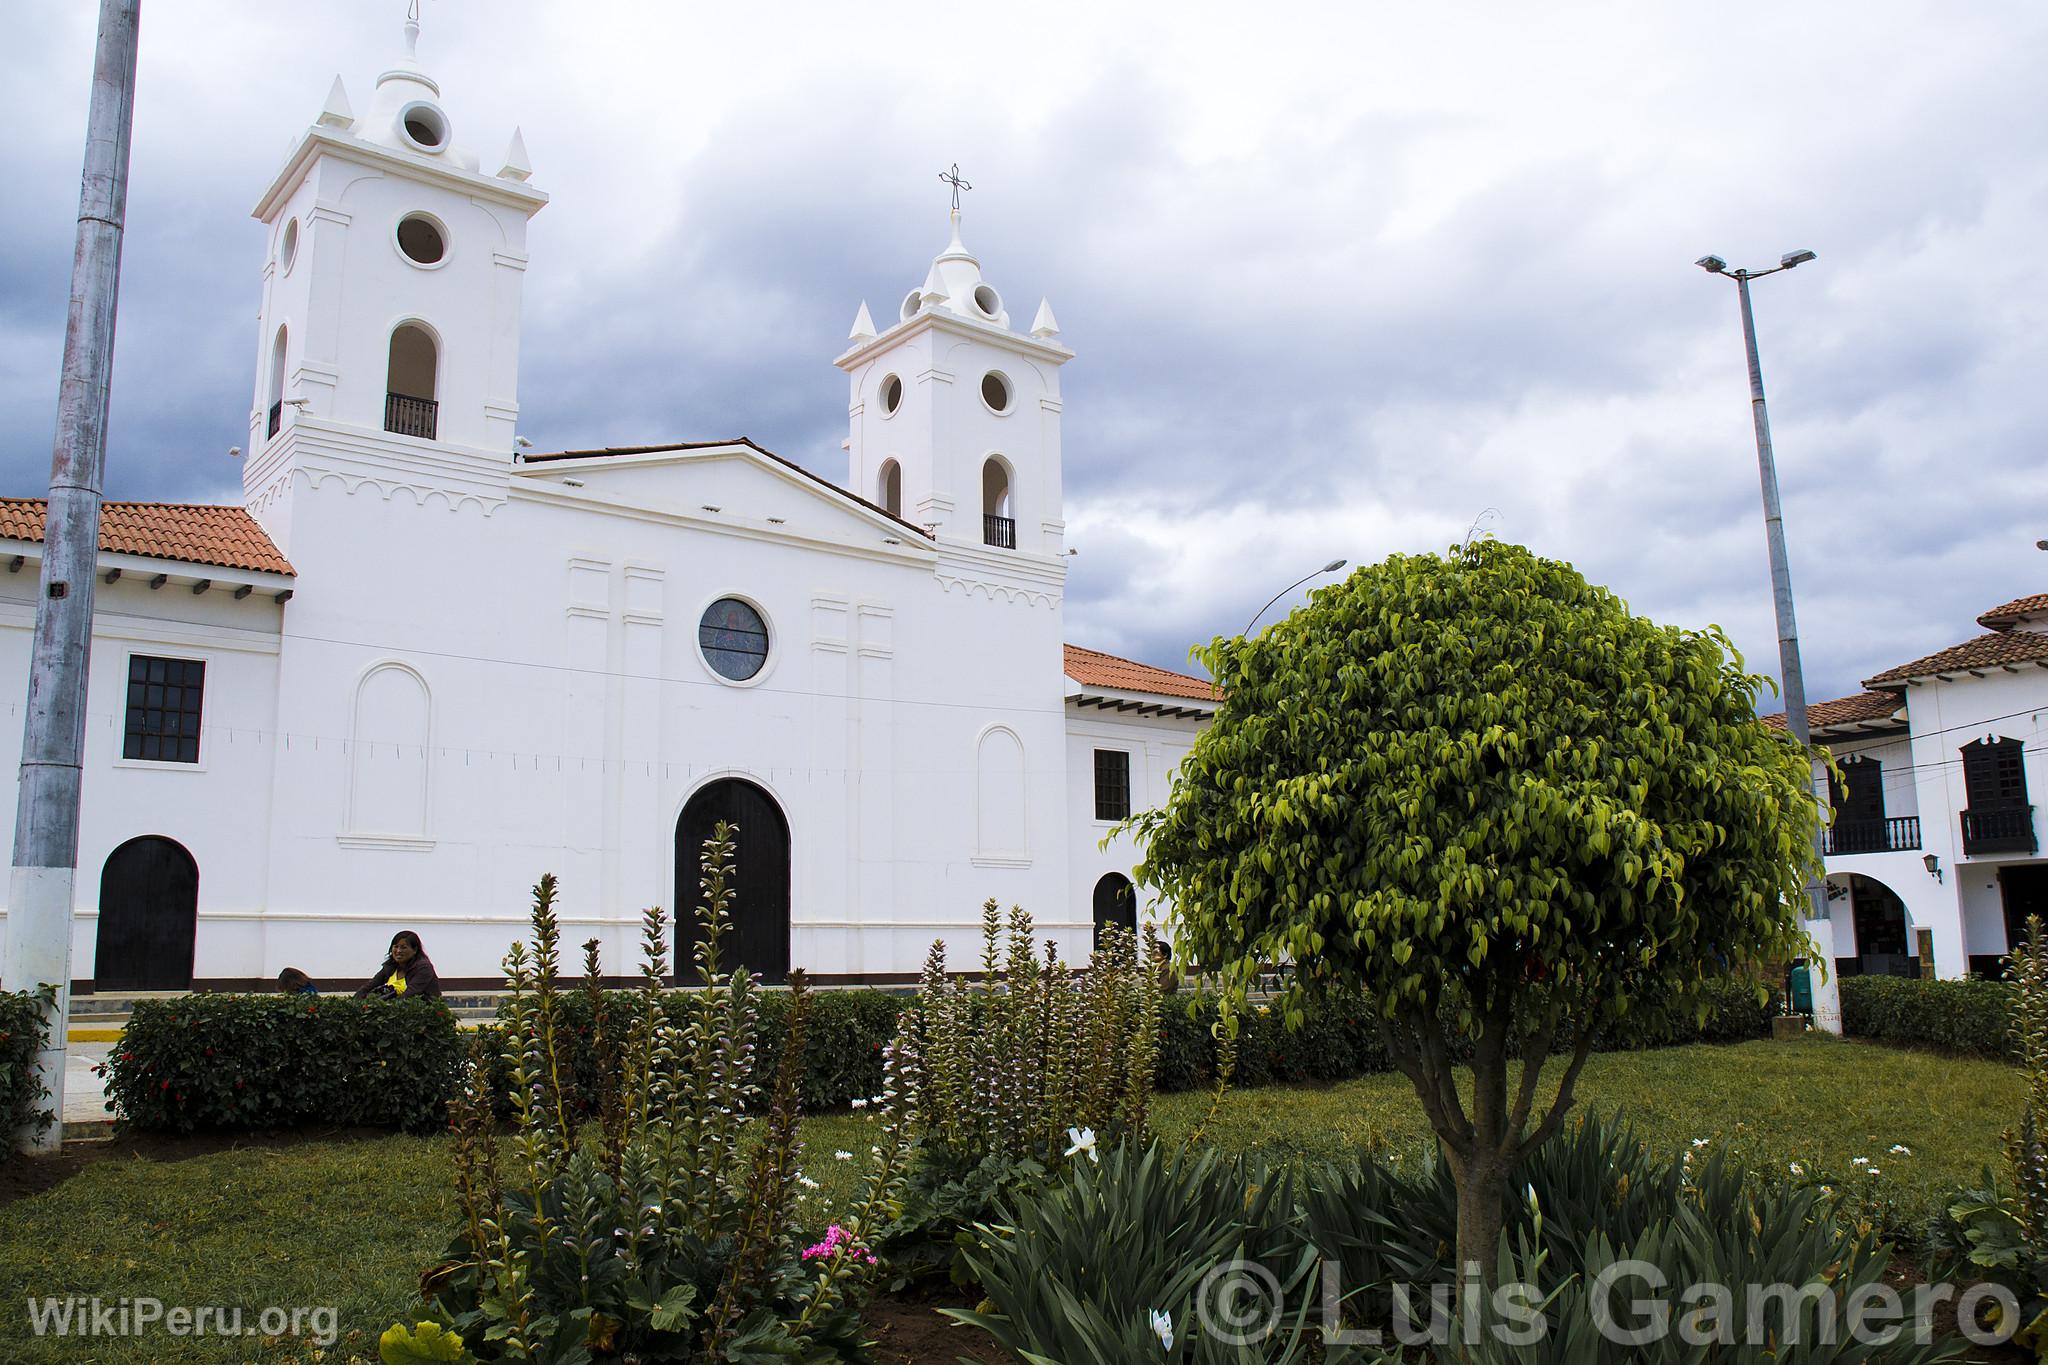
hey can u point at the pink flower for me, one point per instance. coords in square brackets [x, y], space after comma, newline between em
[837, 1238]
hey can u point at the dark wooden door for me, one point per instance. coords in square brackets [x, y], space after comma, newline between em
[760, 908]
[2025, 892]
[149, 908]
[1114, 904]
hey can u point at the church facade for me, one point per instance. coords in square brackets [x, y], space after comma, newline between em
[421, 665]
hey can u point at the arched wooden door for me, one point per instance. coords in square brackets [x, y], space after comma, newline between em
[149, 910]
[1114, 904]
[760, 908]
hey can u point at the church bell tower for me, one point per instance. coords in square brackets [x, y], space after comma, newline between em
[955, 416]
[391, 286]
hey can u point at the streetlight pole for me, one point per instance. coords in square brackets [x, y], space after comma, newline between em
[1827, 998]
[1330, 567]
[45, 869]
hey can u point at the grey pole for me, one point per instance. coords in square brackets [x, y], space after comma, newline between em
[39, 900]
[1330, 567]
[1827, 999]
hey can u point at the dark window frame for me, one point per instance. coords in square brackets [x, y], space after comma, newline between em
[1994, 774]
[1112, 784]
[166, 707]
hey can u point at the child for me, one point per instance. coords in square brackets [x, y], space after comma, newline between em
[292, 981]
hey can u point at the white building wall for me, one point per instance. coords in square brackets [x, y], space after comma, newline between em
[1156, 746]
[218, 808]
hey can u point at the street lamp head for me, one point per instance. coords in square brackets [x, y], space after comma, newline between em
[1792, 258]
[1713, 265]
[1333, 566]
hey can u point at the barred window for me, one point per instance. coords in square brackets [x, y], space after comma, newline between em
[163, 709]
[1112, 784]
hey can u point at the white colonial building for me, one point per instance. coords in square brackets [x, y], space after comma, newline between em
[1935, 843]
[419, 666]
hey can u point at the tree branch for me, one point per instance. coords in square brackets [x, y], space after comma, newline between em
[1563, 1102]
[1533, 1058]
[1442, 1077]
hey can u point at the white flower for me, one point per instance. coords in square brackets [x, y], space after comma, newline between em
[1859, 1161]
[806, 1182]
[1084, 1141]
[859, 1104]
[1870, 1170]
[843, 1156]
[1797, 1169]
[1699, 1142]
[1901, 1149]
[1162, 1324]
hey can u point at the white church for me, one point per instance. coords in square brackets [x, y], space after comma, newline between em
[421, 665]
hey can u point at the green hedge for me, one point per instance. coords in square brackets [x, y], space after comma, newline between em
[240, 1061]
[842, 1048]
[22, 1028]
[1339, 1040]
[1969, 1017]
[277, 1061]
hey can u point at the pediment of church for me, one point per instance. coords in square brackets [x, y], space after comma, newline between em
[730, 481]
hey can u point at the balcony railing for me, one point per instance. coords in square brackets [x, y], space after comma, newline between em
[2010, 830]
[1000, 532]
[409, 416]
[276, 420]
[1895, 835]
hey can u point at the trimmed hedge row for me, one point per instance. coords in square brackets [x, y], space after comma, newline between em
[246, 1062]
[1969, 1017]
[285, 1061]
[22, 1028]
[842, 1047]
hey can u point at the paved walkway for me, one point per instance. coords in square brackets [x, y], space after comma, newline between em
[85, 1095]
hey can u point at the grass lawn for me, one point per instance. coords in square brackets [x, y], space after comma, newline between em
[351, 1224]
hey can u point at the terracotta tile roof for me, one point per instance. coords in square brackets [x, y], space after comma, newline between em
[1093, 668]
[1864, 706]
[747, 441]
[2000, 618]
[193, 533]
[1986, 651]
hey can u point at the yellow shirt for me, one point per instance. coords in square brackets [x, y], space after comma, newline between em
[396, 981]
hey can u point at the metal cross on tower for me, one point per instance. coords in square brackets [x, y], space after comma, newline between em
[952, 177]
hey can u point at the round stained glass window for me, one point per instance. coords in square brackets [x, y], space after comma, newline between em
[734, 639]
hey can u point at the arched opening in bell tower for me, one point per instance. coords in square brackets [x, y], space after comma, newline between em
[998, 520]
[276, 385]
[410, 408]
[889, 488]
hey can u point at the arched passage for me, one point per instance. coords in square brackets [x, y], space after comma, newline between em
[149, 910]
[1882, 944]
[760, 907]
[1115, 903]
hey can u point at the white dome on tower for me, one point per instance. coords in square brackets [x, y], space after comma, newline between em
[954, 284]
[406, 111]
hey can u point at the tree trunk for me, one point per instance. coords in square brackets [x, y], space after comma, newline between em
[1482, 1196]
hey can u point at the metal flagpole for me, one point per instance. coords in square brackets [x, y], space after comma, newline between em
[39, 894]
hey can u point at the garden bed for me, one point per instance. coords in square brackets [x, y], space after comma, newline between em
[257, 1221]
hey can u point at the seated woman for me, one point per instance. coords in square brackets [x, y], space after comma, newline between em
[406, 972]
[292, 981]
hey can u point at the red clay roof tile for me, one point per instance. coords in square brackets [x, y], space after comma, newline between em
[1093, 668]
[192, 533]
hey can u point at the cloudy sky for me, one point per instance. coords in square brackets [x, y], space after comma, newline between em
[1342, 279]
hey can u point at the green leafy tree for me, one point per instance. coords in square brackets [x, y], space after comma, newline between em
[1480, 791]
